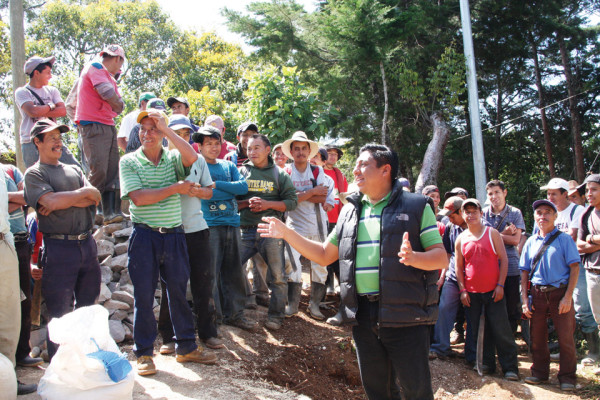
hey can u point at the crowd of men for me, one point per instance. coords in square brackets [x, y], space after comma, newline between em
[206, 211]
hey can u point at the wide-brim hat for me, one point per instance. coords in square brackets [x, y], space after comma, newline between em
[299, 136]
[334, 147]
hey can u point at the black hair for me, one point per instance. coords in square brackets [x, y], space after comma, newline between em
[562, 190]
[262, 137]
[383, 155]
[495, 182]
[40, 68]
[199, 136]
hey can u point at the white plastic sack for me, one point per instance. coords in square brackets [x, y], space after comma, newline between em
[8, 379]
[72, 375]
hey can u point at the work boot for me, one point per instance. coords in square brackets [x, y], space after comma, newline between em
[23, 388]
[593, 343]
[317, 291]
[111, 214]
[294, 293]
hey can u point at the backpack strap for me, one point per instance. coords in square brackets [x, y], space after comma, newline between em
[573, 210]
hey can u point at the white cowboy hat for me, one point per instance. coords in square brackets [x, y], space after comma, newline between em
[299, 136]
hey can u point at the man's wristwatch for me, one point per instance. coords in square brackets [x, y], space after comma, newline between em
[52, 106]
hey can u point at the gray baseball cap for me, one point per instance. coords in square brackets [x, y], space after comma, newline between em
[34, 61]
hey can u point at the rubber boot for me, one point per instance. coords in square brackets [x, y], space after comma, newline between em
[336, 320]
[317, 291]
[593, 343]
[118, 211]
[108, 206]
[294, 292]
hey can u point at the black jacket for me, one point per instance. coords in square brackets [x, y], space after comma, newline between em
[408, 296]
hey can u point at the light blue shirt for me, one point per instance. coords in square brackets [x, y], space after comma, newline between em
[553, 268]
[191, 207]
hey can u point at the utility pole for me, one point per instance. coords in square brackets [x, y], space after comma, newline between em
[476, 138]
[17, 58]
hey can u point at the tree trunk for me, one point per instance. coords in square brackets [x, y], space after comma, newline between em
[385, 140]
[499, 113]
[434, 154]
[575, 120]
[542, 104]
[17, 55]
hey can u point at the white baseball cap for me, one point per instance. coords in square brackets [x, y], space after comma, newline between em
[556, 183]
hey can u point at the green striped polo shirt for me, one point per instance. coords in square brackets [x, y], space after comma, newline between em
[367, 244]
[137, 172]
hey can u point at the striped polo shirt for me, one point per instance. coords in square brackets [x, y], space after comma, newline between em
[137, 172]
[368, 245]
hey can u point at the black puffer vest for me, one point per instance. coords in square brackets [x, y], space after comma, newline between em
[408, 296]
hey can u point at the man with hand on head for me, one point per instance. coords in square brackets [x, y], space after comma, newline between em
[130, 120]
[152, 179]
[390, 298]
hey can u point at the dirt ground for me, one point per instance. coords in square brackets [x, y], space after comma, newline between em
[308, 359]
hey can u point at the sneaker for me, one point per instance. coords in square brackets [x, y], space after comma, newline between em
[245, 324]
[145, 366]
[23, 388]
[567, 387]
[30, 362]
[198, 356]
[272, 325]
[214, 343]
[511, 376]
[532, 380]
[336, 320]
[167, 348]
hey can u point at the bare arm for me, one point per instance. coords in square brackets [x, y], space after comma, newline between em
[566, 302]
[585, 247]
[318, 194]
[122, 143]
[524, 299]
[511, 235]
[433, 258]
[38, 111]
[459, 266]
[84, 197]
[144, 197]
[501, 251]
[321, 253]
[188, 154]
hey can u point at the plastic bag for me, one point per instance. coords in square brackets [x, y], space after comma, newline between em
[8, 379]
[72, 374]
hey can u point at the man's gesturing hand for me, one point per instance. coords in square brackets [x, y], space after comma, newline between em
[273, 228]
[406, 252]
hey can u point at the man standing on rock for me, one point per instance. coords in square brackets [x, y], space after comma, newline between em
[390, 298]
[98, 103]
[65, 203]
[152, 179]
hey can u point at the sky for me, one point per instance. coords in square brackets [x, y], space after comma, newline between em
[205, 15]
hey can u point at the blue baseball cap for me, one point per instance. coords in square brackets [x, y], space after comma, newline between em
[179, 121]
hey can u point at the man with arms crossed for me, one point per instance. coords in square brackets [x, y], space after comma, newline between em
[390, 298]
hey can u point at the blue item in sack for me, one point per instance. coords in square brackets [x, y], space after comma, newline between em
[117, 367]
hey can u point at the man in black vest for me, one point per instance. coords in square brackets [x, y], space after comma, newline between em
[389, 297]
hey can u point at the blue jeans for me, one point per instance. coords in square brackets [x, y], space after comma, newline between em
[388, 357]
[449, 303]
[583, 309]
[501, 334]
[151, 253]
[71, 271]
[271, 251]
[229, 289]
[31, 155]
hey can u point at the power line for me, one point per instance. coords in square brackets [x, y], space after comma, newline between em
[524, 115]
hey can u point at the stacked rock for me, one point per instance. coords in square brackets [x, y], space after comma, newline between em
[116, 291]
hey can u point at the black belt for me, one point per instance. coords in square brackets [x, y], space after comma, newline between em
[81, 236]
[163, 230]
[549, 288]
[371, 297]
[21, 237]
[248, 226]
[594, 271]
